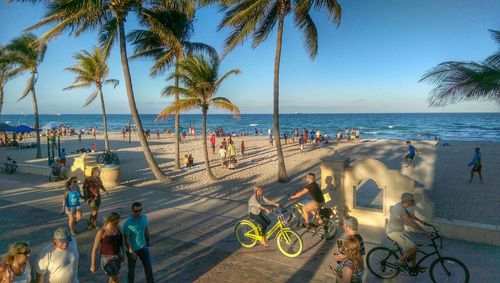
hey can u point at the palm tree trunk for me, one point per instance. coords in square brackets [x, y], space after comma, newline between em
[104, 119]
[282, 175]
[205, 149]
[155, 169]
[1, 98]
[177, 142]
[37, 122]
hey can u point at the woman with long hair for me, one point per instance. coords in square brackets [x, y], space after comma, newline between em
[92, 187]
[15, 266]
[71, 204]
[350, 270]
[110, 239]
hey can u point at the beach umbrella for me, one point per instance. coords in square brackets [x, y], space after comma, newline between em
[22, 129]
[52, 125]
[5, 127]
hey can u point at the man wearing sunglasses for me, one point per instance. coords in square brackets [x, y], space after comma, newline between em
[137, 241]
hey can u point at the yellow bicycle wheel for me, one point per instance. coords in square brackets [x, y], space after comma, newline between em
[289, 243]
[246, 233]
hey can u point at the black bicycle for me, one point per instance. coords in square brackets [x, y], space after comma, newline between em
[108, 157]
[326, 230]
[381, 261]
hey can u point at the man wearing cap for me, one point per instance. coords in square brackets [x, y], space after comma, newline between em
[58, 261]
[401, 214]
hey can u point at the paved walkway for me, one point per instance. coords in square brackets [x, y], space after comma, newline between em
[192, 237]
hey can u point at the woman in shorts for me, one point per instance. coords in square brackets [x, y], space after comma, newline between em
[110, 239]
[92, 187]
[71, 203]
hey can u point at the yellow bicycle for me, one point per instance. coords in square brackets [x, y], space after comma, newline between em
[289, 242]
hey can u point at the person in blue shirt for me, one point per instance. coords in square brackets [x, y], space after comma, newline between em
[71, 204]
[138, 241]
[477, 165]
[62, 157]
[412, 151]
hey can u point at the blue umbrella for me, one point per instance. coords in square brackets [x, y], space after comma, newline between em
[22, 129]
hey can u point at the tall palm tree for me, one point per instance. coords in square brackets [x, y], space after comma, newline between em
[466, 81]
[167, 41]
[6, 67]
[28, 53]
[200, 79]
[109, 16]
[91, 69]
[257, 18]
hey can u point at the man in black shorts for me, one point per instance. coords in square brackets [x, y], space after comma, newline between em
[318, 200]
[477, 165]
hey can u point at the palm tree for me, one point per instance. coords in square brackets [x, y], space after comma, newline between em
[6, 67]
[200, 80]
[109, 16]
[465, 81]
[92, 69]
[258, 18]
[28, 53]
[167, 41]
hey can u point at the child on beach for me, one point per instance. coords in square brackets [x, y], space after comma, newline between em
[222, 155]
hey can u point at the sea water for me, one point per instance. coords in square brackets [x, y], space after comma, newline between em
[446, 126]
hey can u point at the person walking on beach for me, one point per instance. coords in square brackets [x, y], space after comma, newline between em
[271, 141]
[110, 239]
[242, 148]
[62, 157]
[58, 261]
[212, 142]
[255, 210]
[15, 266]
[412, 151]
[137, 242]
[92, 187]
[301, 143]
[71, 204]
[477, 165]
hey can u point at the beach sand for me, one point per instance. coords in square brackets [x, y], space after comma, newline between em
[442, 170]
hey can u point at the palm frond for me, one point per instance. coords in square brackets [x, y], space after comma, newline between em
[225, 104]
[82, 84]
[91, 98]
[108, 35]
[182, 105]
[225, 76]
[496, 35]
[305, 23]
[113, 82]
[29, 86]
[267, 25]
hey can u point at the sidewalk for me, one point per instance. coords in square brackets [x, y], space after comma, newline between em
[192, 237]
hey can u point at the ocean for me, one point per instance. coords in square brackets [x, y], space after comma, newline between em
[446, 126]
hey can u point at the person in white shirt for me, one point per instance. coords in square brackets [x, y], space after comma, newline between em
[58, 262]
[255, 207]
[401, 214]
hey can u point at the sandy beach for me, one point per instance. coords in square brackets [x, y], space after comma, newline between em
[441, 169]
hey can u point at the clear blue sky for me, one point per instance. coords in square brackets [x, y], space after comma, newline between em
[371, 63]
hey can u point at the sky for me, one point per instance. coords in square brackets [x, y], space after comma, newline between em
[370, 63]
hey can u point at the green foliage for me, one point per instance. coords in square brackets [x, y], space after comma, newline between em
[465, 81]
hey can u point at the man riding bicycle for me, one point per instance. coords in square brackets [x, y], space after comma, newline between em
[318, 200]
[401, 214]
[255, 208]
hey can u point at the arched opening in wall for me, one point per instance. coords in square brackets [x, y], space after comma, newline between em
[368, 195]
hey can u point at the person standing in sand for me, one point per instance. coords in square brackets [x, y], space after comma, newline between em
[477, 165]
[212, 142]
